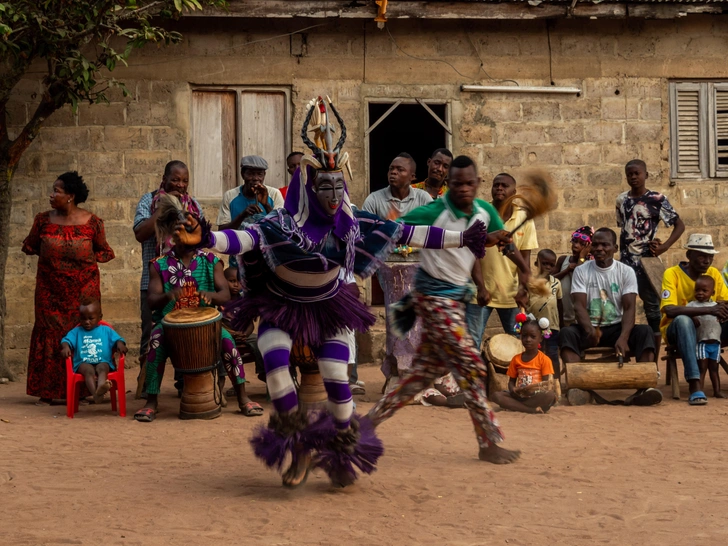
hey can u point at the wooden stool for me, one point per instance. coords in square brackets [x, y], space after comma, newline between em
[671, 374]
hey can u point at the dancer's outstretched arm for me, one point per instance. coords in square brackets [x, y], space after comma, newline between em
[234, 242]
[475, 238]
[196, 232]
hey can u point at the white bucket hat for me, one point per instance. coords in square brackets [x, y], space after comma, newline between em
[701, 242]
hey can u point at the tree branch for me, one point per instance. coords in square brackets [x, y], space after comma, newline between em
[26, 137]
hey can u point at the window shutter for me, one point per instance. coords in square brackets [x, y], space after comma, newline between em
[214, 155]
[719, 133]
[686, 130]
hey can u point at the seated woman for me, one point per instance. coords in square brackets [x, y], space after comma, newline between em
[187, 277]
[292, 262]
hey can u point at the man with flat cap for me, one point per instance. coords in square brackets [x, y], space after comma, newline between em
[250, 199]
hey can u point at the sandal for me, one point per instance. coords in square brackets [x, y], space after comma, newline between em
[698, 398]
[145, 415]
[252, 409]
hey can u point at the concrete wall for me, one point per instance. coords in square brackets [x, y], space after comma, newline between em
[623, 69]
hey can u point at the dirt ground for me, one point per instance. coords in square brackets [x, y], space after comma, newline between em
[588, 475]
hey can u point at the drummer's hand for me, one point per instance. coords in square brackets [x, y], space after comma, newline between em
[483, 297]
[206, 297]
[592, 336]
[121, 347]
[188, 232]
[621, 347]
[175, 294]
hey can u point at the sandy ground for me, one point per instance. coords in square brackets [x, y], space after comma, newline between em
[588, 475]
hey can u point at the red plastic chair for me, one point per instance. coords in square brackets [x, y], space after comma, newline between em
[74, 382]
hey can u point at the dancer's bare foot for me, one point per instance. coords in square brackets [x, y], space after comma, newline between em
[498, 455]
[342, 479]
[297, 473]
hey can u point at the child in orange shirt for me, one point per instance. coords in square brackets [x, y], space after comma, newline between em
[529, 387]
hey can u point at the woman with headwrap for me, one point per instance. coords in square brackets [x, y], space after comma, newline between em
[565, 265]
[292, 261]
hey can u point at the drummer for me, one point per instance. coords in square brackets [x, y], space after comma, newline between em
[604, 293]
[185, 277]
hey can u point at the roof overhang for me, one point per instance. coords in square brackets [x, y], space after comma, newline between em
[472, 10]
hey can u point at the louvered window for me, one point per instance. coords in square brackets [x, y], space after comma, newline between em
[698, 130]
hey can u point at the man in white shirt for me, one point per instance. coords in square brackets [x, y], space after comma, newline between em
[604, 292]
[399, 197]
[442, 288]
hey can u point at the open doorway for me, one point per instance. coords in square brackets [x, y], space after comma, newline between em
[417, 128]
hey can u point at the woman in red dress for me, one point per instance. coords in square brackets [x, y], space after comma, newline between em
[69, 241]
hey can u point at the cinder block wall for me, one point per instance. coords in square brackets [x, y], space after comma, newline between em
[622, 67]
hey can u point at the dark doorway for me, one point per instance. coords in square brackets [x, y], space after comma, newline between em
[408, 128]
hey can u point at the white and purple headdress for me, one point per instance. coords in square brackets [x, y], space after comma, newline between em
[301, 203]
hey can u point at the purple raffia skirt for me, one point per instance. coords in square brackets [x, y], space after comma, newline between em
[311, 323]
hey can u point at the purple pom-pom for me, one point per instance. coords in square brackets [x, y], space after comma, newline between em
[358, 447]
[474, 238]
[272, 447]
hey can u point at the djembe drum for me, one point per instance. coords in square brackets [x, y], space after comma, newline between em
[193, 340]
[311, 391]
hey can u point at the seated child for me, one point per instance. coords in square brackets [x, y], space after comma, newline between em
[549, 307]
[708, 331]
[565, 265]
[530, 385]
[92, 344]
[247, 338]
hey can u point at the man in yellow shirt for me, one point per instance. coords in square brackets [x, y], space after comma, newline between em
[437, 168]
[678, 289]
[505, 275]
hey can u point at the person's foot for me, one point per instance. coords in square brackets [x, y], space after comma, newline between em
[342, 479]
[44, 402]
[718, 394]
[297, 473]
[149, 412]
[646, 397]
[101, 391]
[251, 409]
[498, 455]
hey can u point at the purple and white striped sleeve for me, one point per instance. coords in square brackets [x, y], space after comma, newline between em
[234, 242]
[430, 237]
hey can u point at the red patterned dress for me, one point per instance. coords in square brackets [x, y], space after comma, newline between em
[67, 273]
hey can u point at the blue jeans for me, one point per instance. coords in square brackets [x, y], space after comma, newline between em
[681, 334]
[477, 318]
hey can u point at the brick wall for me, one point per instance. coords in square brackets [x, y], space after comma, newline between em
[622, 68]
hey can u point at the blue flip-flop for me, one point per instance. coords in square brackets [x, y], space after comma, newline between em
[698, 398]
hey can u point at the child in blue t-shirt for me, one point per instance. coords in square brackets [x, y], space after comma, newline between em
[92, 344]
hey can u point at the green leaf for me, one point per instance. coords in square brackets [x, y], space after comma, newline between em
[178, 5]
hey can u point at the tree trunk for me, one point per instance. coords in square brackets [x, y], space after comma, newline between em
[6, 202]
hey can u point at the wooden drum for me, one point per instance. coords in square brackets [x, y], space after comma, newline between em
[610, 375]
[192, 336]
[500, 349]
[311, 391]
